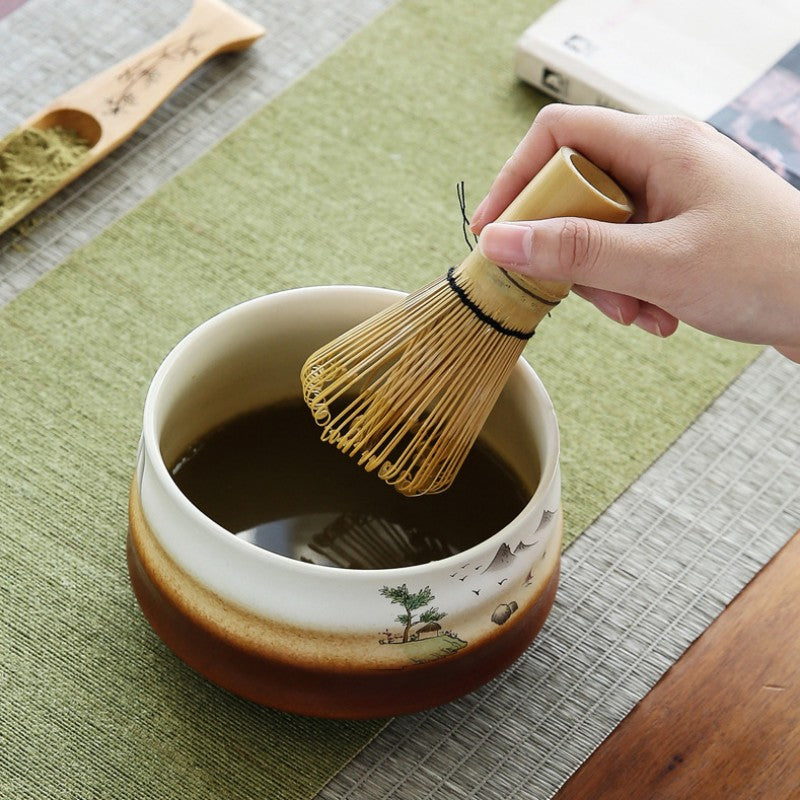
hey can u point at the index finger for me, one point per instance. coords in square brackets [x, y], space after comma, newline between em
[619, 143]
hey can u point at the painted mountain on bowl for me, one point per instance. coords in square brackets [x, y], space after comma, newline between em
[503, 558]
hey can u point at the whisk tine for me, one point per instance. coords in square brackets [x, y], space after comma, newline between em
[408, 391]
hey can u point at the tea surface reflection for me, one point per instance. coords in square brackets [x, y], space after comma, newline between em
[266, 477]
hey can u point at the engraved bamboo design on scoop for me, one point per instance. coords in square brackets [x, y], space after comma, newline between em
[407, 391]
[108, 108]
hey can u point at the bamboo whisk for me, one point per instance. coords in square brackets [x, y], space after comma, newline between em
[408, 390]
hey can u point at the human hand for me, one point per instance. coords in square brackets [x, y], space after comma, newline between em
[717, 244]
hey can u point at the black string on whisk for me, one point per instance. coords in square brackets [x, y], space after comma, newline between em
[465, 222]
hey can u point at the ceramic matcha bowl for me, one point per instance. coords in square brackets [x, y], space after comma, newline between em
[322, 640]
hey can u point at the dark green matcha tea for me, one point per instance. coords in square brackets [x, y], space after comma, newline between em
[266, 477]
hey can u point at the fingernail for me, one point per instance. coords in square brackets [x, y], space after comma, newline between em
[477, 217]
[508, 244]
[649, 322]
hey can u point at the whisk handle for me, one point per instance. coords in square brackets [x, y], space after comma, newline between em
[569, 185]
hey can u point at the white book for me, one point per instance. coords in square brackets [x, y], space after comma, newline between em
[733, 63]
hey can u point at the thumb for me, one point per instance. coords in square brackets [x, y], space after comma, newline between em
[627, 259]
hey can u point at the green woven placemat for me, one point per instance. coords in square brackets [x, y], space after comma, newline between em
[349, 177]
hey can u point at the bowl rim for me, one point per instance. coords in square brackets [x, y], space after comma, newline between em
[152, 451]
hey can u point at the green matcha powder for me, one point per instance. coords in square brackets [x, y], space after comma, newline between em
[32, 162]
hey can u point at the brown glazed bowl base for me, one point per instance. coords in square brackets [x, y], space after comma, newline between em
[168, 598]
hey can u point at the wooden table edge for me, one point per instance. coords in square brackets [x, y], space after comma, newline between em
[724, 720]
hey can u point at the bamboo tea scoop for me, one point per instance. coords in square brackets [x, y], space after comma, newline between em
[107, 109]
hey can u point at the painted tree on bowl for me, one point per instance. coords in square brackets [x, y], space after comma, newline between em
[411, 602]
